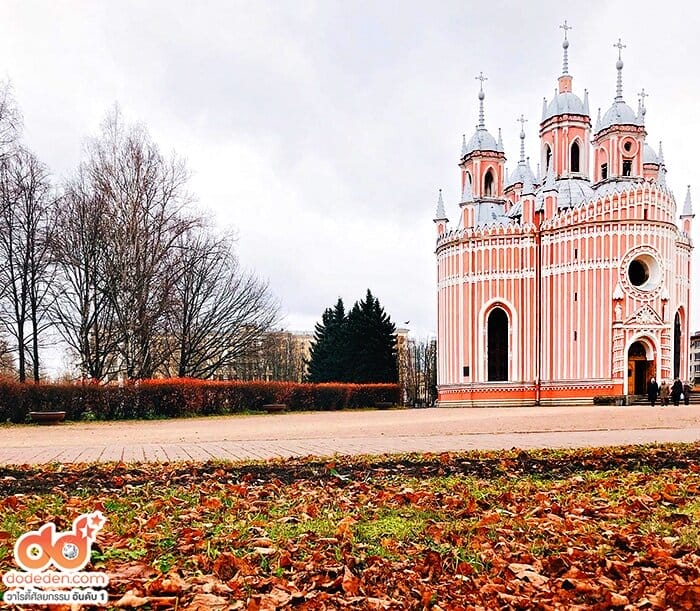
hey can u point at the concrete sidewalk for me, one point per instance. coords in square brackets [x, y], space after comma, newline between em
[359, 432]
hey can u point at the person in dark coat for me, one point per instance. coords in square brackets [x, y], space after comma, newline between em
[652, 391]
[686, 393]
[663, 393]
[676, 391]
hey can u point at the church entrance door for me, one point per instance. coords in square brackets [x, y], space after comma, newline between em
[639, 370]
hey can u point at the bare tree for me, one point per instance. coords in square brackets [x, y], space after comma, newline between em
[10, 120]
[26, 205]
[83, 313]
[420, 381]
[146, 200]
[219, 314]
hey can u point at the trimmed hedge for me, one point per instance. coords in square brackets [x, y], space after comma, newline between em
[173, 398]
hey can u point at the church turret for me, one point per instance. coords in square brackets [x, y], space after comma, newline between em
[515, 183]
[618, 143]
[483, 160]
[687, 215]
[565, 126]
[440, 219]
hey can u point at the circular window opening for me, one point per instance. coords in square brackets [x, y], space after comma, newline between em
[639, 273]
[644, 272]
[628, 146]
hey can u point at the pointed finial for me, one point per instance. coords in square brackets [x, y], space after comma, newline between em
[539, 173]
[549, 183]
[585, 103]
[642, 108]
[565, 45]
[661, 153]
[522, 120]
[619, 65]
[544, 108]
[482, 95]
[440, 212]
[528, 187]
[688, 205]
[467, 194]
[598, 121]
[500, 141]
[464, 145]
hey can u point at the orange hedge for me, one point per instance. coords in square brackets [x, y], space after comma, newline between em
[180, 397]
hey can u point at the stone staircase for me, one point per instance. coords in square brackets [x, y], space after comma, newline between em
[642, 399]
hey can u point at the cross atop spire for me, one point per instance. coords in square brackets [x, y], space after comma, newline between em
[566, 27]
[522, 120]
[642, 94]
[619, 65]
[619, 47]
[642, 109]
[482, 95]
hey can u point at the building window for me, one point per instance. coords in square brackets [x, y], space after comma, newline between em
[603, 171]
[575, 157]
[627, 167]
[548, 157]
[488, 184]
[497, 349]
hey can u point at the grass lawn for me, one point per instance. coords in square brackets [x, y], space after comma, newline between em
[587, 529]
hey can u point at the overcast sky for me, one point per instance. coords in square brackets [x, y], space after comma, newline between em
[321, 131]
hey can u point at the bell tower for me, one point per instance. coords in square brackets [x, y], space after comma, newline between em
[565, 127]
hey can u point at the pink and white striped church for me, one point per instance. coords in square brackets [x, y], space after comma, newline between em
[569, 284]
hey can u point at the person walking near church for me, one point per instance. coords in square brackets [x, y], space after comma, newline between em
[663, 393]
[676, 391]
[686, 393]
[652, 391]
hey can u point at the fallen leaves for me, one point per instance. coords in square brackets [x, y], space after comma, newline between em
[583, 529]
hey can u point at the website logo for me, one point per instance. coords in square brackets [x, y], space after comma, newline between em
[37, 551]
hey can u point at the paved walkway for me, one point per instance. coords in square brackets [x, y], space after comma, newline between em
[360, 432]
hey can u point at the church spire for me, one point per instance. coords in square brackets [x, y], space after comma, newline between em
[688, 205]
[565, 44]
[619, 65]
[522, 120]
[464, 145]
[440, 212]
[482, 95]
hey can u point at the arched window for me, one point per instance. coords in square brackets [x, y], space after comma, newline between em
[575, 154]
[548, 157]
[488, 184]
[497, 349]
[677, 346]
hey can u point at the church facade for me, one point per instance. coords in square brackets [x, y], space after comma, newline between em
[561, 285]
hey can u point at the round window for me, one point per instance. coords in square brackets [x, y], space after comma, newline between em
[628, 146]
[644, 272]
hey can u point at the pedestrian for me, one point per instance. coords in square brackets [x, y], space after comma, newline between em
[652, 391]
[676, 391]
[686, 393]
[663, 393]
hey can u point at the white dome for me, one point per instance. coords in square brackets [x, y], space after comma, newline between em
[618, 114]
[573, 192]
[519, 174]
[481, 141]
[565, 104]
[650, 155]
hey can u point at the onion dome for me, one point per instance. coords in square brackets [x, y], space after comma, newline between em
[482, 140]
[619, 113]
[650, 155]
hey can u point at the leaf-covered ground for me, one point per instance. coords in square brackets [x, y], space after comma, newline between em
[581, 529]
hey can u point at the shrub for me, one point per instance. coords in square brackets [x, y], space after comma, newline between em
[176, 397]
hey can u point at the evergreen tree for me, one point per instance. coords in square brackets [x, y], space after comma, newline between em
[371, 343]
[328, 357]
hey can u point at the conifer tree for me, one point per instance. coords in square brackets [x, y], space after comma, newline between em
[371, 343]
[328, 357]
